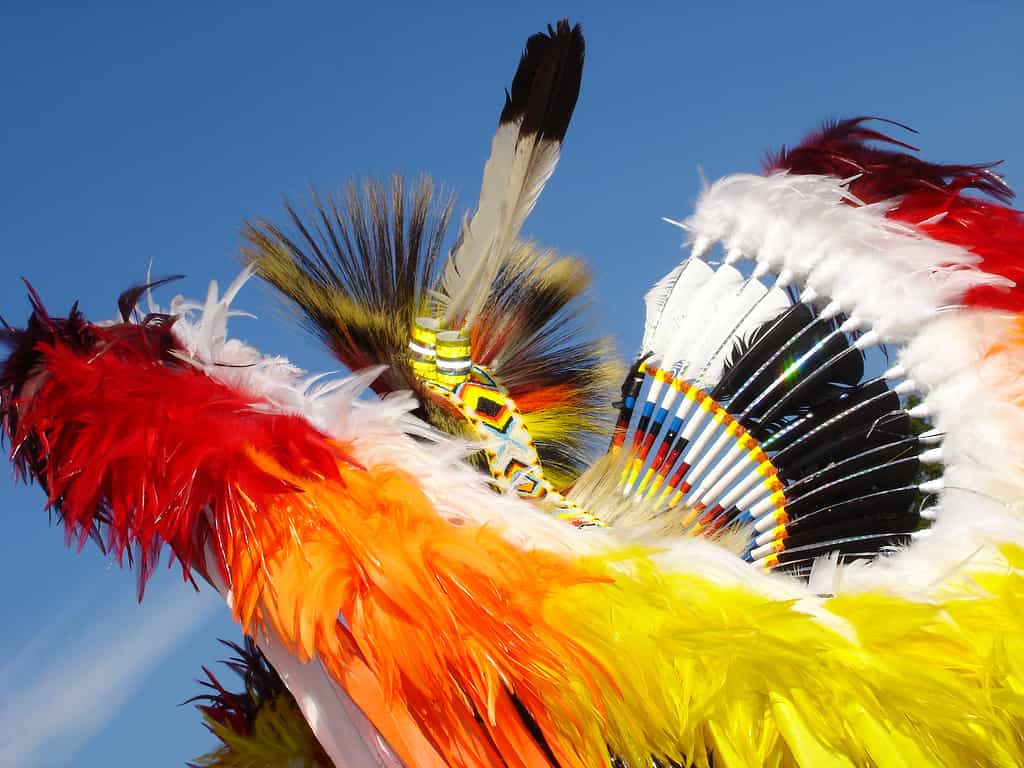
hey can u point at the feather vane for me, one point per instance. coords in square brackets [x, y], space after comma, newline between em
[524, 153]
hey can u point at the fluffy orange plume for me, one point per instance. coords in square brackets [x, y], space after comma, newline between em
[440, 630]
[370, 546]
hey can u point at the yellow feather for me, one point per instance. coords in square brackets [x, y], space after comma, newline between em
[758, 682]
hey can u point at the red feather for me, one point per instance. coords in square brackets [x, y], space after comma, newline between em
[841, 148]
[927, 195]
[133, 441]
[135, 447]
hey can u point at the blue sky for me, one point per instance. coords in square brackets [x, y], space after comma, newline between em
[144, 131]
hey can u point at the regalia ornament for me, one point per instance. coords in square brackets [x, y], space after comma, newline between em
[789, 533]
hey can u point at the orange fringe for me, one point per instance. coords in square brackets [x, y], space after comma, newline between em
[368, 546]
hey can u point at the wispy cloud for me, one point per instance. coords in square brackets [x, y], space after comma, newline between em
[61, 705]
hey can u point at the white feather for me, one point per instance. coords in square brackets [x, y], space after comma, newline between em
[885, 271]
[469, 259]
[722, 310]
[754, 305]
[514, 175]
[346, 734]
[679, 305]
[655, 300]
[704, 314]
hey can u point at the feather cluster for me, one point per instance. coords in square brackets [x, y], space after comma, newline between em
[923, 194]
[362, 268]
[419, 619]
[467, 646]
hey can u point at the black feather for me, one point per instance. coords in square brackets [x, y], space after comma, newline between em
[861, 406]
[851, 463]
[773, 393]
[880, 525]
[836, 447]
[751, 358]
[841, 365]
[128, 299]
[546, 85]
[856, 516]
[864, 482]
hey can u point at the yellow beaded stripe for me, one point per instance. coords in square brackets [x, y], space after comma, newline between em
[423, 348]
[453, 358]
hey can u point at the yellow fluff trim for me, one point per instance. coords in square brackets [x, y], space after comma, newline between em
[702, 669]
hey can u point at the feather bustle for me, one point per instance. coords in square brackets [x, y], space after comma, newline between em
[371, 545]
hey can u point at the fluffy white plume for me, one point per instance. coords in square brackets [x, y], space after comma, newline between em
[883, 272]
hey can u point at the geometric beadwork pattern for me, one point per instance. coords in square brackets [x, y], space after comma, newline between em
[511, 454]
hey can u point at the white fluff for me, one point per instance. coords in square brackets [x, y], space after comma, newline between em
[883, 271]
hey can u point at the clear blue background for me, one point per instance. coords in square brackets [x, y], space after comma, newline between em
[141, 131]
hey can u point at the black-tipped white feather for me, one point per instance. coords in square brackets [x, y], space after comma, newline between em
[524, 152]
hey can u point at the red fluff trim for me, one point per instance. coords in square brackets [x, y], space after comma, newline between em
[930, 196]
[842, 148]
[137, 448]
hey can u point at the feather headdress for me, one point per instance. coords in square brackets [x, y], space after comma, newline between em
[417, 618]
[773, 418]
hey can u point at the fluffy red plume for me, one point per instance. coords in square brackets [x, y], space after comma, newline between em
[77, 404]
[927, 195]
[136, 445]
[841, 148]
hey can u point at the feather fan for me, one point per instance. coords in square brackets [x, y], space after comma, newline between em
[356, 269]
